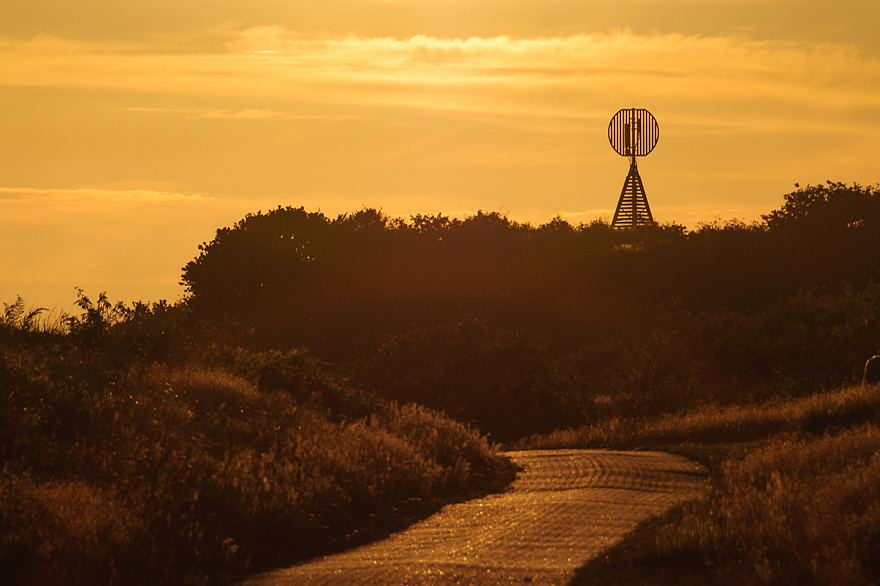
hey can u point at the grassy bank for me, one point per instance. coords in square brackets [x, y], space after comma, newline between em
[121, 464]
[794, 499]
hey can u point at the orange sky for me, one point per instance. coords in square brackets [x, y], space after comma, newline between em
[129, 134]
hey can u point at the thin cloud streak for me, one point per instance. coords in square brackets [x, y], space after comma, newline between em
[263, 114]
[85, 199]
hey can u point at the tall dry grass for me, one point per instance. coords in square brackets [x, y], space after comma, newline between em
[737, 423]
[797, 511]
[795, 496]
[141, 472]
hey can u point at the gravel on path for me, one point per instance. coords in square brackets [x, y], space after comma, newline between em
[564, 508]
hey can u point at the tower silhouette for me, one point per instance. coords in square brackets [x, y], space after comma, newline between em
[633, 133]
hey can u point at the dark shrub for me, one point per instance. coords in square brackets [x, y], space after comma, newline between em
[497, 379]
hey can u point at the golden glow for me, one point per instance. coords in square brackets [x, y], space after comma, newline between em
[411, 106]
[540, 76]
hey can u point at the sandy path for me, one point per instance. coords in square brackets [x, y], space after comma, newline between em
[564, 508]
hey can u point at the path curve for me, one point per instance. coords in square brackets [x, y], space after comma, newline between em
[564, 508]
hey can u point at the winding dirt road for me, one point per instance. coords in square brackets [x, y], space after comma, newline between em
[566, 507]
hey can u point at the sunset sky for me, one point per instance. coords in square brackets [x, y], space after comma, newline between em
[131, 131]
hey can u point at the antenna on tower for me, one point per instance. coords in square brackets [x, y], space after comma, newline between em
[633, 132]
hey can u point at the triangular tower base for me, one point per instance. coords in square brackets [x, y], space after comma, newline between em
[632, 207]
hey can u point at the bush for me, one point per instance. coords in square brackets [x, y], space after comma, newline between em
[154, 473]
[63, 532]
[305, 378]
[498, 380]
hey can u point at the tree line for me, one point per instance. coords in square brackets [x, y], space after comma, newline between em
[652, 318]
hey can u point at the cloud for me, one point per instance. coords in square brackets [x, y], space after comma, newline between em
[247, 114]
[235, 114]
[549, 76]
[264, 114]
[87, 199]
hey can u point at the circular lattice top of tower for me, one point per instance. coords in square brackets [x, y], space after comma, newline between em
[633, 132]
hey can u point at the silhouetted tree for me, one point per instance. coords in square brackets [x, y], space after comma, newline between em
[827, 208]
[743, 294]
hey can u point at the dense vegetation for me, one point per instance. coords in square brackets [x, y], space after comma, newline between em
[325, 380]
[138, 448]
[478, 316]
